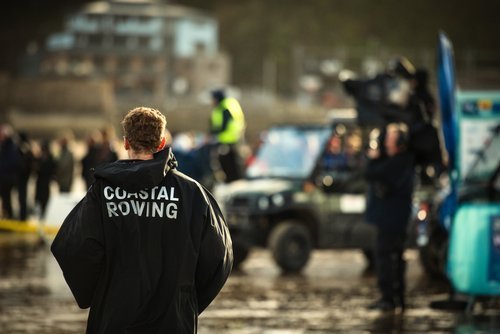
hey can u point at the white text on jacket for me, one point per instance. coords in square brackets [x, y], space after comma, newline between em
[155, 202]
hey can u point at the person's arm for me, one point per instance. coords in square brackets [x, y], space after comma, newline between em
[226, 117]
[375, 164]
[391, 172]
[78, 248]
[215, 259]
[385, 168]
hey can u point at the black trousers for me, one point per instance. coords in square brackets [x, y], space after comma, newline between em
[6, 187]
[390, 264]
[22, 193]
[230, 161]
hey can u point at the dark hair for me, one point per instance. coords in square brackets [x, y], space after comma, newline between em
[218, 95]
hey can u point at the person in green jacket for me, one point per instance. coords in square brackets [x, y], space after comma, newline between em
[227, 125]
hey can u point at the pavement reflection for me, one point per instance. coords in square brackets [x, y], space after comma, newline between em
[329, 297]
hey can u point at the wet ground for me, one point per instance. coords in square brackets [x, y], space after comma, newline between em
[329, 297]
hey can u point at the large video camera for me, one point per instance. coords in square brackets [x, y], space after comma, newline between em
[382, 99]
[389, 98]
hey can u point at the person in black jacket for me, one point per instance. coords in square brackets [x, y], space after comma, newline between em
[147, 249]
[45, 166]
[9, 166]
[390, 174]
[26, 164]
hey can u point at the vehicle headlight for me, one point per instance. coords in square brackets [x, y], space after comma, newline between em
[263, 203]
[327, 180]
[421, 215]
[278, 199]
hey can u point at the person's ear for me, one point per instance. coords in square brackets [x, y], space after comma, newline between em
[126, 143]
[162, 144]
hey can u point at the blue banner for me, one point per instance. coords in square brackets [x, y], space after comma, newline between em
[446, 89]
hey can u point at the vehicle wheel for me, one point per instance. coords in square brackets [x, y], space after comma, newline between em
[433, 255]
[370, 259]
[240, 254]
[290, 244]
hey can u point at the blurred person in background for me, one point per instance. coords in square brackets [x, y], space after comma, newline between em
[26, 166]
[106, 151]
[192, 152]
[147, 249]
[45, 172]
[9, 167]
[390, 173]
[100, 150]
[89, 161]
[334, 158]
[418, 108]
[353, 152]
[65, 165]
[227, 125]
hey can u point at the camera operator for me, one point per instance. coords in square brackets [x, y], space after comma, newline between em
[390, 173]
[417, 109]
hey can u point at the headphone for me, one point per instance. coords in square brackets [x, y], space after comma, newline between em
[403, 136]
[403, 140]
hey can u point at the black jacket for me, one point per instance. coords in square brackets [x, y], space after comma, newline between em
[147, 249]
[389, 198]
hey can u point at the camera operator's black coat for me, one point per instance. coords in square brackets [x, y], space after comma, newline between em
[390, 191]
[147, 249]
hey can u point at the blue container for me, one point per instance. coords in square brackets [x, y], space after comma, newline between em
[474, 251]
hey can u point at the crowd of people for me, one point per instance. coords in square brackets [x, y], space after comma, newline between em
[49, 165]
[52, 165]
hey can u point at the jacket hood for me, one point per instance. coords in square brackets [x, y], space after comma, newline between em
[134, 175]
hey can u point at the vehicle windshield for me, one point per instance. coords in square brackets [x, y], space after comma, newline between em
[486, 160]
[288, 152]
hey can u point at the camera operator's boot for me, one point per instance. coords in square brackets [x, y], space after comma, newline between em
[383, 305]
[400, 283]
[400, 302]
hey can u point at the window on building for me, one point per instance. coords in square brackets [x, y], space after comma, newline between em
[143, 42]
[81, 40]
[123, 64]
[119, 41]
[95, 40]
[132, 42]
[107, 41]
[156, 43]
[119, 19]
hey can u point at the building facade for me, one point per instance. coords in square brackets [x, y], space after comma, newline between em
[147, 49]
